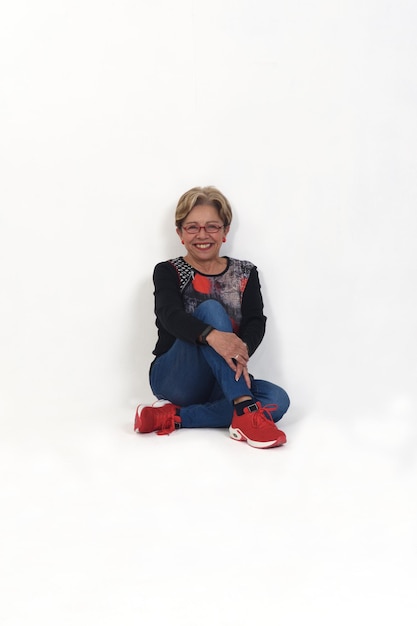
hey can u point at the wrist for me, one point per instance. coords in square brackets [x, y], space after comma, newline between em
[203, 336]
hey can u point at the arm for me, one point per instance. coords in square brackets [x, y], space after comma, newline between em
[252, 326]
[251, 333]
[169, 307]
[170, 313]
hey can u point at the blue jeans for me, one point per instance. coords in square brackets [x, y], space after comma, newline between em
[197, 379]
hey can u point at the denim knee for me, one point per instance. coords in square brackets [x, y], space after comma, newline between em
[283, 400]
[213, 313]
[270, 394]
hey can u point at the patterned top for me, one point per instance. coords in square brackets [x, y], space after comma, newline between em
[179, 289]
[227, 287]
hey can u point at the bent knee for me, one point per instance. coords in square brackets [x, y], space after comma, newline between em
[213, 312]
[281, 400]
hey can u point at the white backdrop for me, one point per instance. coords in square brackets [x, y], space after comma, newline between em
[302, 113]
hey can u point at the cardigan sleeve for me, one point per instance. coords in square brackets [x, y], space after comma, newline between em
[253, 323]
[169, 308]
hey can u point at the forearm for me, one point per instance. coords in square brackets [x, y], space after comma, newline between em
[180, 324]
[252, 334]
[169, 307]
[252, 327]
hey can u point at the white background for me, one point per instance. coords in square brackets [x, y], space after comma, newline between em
[304, 115]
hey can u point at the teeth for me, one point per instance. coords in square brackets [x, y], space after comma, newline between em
[203, 245]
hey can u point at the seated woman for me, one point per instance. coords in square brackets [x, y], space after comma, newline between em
[209, 315]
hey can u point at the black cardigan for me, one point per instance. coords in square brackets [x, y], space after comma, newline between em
[174, 322]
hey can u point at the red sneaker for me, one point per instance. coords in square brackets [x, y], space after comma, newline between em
[257, 427]
[161, 416]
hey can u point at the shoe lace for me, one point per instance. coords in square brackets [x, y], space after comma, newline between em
[263, 417]
[167, 422]
[167, 427]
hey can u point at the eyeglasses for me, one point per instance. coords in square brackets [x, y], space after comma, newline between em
[194, 229]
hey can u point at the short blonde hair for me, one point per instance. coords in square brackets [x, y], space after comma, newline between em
[203, 195]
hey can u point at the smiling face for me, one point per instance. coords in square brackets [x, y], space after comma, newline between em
[203, 248]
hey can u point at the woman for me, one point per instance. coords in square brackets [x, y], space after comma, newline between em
[209, 315]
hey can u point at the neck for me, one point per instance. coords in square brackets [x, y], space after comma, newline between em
[212, 266]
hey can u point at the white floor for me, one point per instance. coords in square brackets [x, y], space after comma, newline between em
[100, 526]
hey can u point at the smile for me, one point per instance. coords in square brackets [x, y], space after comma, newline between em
[203, 246]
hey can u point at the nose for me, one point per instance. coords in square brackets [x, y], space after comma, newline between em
[201, 228]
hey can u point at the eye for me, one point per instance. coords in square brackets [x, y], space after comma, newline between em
[213, 228]
[192, 229]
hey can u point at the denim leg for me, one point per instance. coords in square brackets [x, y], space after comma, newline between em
[213, 313]
[269, 393]
[187, 373]
[209, 415]
[219, 412]
[182, 375]
[199, 380]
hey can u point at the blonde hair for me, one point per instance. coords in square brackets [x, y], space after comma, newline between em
[203, 195]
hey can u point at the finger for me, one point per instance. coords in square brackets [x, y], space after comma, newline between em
[243, 351]
[242, 359]
[231, 363]
[239, 371]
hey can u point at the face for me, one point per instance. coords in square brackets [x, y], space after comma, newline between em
[203, 246]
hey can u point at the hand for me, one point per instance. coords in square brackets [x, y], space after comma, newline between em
[233, 350]
[242, 369]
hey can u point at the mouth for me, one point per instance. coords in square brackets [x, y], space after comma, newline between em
[203, 246]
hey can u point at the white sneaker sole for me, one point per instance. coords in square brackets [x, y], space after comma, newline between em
[161, 402]
[237, 435]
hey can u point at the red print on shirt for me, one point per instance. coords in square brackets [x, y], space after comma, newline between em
[227, 288]
[201, 284]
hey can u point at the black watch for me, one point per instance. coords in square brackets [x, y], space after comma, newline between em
[203, 337]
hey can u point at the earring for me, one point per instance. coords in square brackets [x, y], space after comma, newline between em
[182, 241]
[224, 239]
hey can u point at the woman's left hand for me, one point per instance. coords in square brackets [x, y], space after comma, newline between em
[233, 350]
[242, 369]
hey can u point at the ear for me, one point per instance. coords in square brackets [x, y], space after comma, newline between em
[226, 230]
[178, 231]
